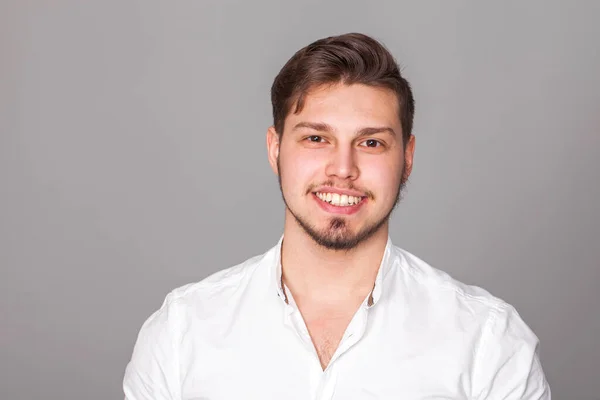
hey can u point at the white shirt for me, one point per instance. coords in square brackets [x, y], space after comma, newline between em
[419, 335]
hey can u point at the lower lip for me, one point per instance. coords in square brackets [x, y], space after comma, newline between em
[345, 210]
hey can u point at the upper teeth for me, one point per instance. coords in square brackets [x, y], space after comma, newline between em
[339, 200]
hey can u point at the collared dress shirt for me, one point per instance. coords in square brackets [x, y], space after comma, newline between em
[419, 335]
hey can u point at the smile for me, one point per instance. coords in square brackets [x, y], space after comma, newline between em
[339, 200]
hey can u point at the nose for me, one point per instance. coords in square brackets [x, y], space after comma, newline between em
[343, 164]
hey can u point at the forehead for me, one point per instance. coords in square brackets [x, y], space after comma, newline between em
[342, 104]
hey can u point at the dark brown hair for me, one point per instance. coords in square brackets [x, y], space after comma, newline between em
[350, 58]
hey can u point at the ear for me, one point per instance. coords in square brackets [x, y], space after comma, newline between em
[409, 153]
[273, 148]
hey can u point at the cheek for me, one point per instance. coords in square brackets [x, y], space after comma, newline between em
[383, 178]
[299, 169]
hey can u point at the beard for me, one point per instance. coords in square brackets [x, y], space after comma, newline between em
[337, 235]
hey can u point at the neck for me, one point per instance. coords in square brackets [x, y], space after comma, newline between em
[329, 276]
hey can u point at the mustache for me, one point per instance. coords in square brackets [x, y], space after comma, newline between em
[311, 188]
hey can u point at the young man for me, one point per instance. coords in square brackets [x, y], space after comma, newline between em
[334, 310]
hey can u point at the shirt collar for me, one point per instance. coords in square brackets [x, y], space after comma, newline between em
[376, 293]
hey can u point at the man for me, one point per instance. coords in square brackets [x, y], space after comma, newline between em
[334, 310]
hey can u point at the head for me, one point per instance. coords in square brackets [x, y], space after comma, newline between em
[341, 141]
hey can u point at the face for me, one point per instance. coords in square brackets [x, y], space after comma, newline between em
[341, 163]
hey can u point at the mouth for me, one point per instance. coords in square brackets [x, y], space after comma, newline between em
[339, 203]
[339, 200]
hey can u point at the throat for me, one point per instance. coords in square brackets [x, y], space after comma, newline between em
[326, 335]
[326, 324]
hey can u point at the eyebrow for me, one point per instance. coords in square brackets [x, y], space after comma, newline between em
[323, 127]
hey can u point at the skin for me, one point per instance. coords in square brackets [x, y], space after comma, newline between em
[346, 137]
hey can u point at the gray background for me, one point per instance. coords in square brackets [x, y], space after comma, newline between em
[133, 161]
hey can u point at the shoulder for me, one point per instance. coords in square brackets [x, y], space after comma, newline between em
[211, 298]
[434, 281]
[155, 359]
[442, 292]
[505, 349]
[216, 290]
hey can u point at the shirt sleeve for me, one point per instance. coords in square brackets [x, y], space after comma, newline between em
[507, 364]
[153, 371]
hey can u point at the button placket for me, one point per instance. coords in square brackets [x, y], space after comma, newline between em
[327, 384]
[353, 334]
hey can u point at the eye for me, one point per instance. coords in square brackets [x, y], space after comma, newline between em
[315, 139]
[372, 143]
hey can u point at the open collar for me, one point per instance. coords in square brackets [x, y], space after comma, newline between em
[375, 294]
